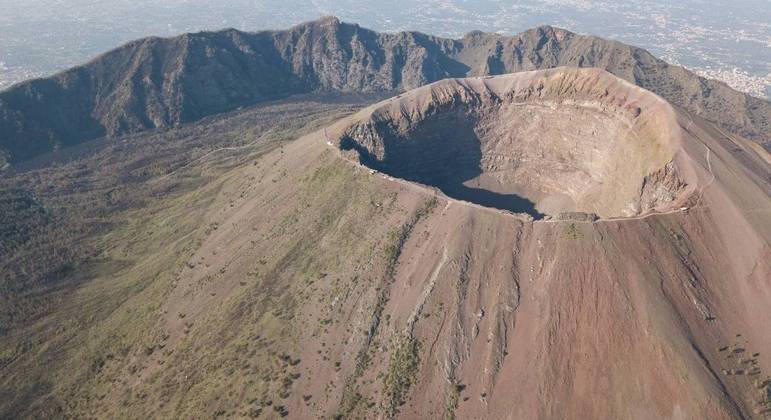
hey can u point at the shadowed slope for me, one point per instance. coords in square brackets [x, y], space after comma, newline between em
[157, 82]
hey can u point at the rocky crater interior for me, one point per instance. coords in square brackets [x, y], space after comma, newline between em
[542, 143]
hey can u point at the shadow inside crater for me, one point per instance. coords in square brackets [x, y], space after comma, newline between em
[443, 151]
[487, 198]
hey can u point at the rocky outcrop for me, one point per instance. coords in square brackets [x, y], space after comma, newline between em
[164, 82]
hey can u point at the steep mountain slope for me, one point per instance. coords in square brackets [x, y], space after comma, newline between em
[294, 281]
[164, 82]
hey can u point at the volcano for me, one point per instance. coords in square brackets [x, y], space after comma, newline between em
[554, 243]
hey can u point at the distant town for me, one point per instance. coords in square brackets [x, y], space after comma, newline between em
[742, 81]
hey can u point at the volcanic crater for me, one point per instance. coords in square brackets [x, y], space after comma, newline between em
[546, 143]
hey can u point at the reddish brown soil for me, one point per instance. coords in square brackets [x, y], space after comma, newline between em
[664, 313]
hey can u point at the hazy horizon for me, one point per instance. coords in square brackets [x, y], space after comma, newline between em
[730, 41]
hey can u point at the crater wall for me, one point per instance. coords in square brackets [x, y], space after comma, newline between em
[542, 143]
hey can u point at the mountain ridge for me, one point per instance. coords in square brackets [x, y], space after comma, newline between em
[164, 82]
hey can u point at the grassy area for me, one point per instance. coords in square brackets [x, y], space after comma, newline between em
[402, 372]
[80, 350]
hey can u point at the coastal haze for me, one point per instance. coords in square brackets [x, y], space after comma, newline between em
[728, 41]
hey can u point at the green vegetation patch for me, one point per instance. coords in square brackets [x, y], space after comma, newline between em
[402, 373]
[453, 397]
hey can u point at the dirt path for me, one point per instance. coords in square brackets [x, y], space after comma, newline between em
[211, 152]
